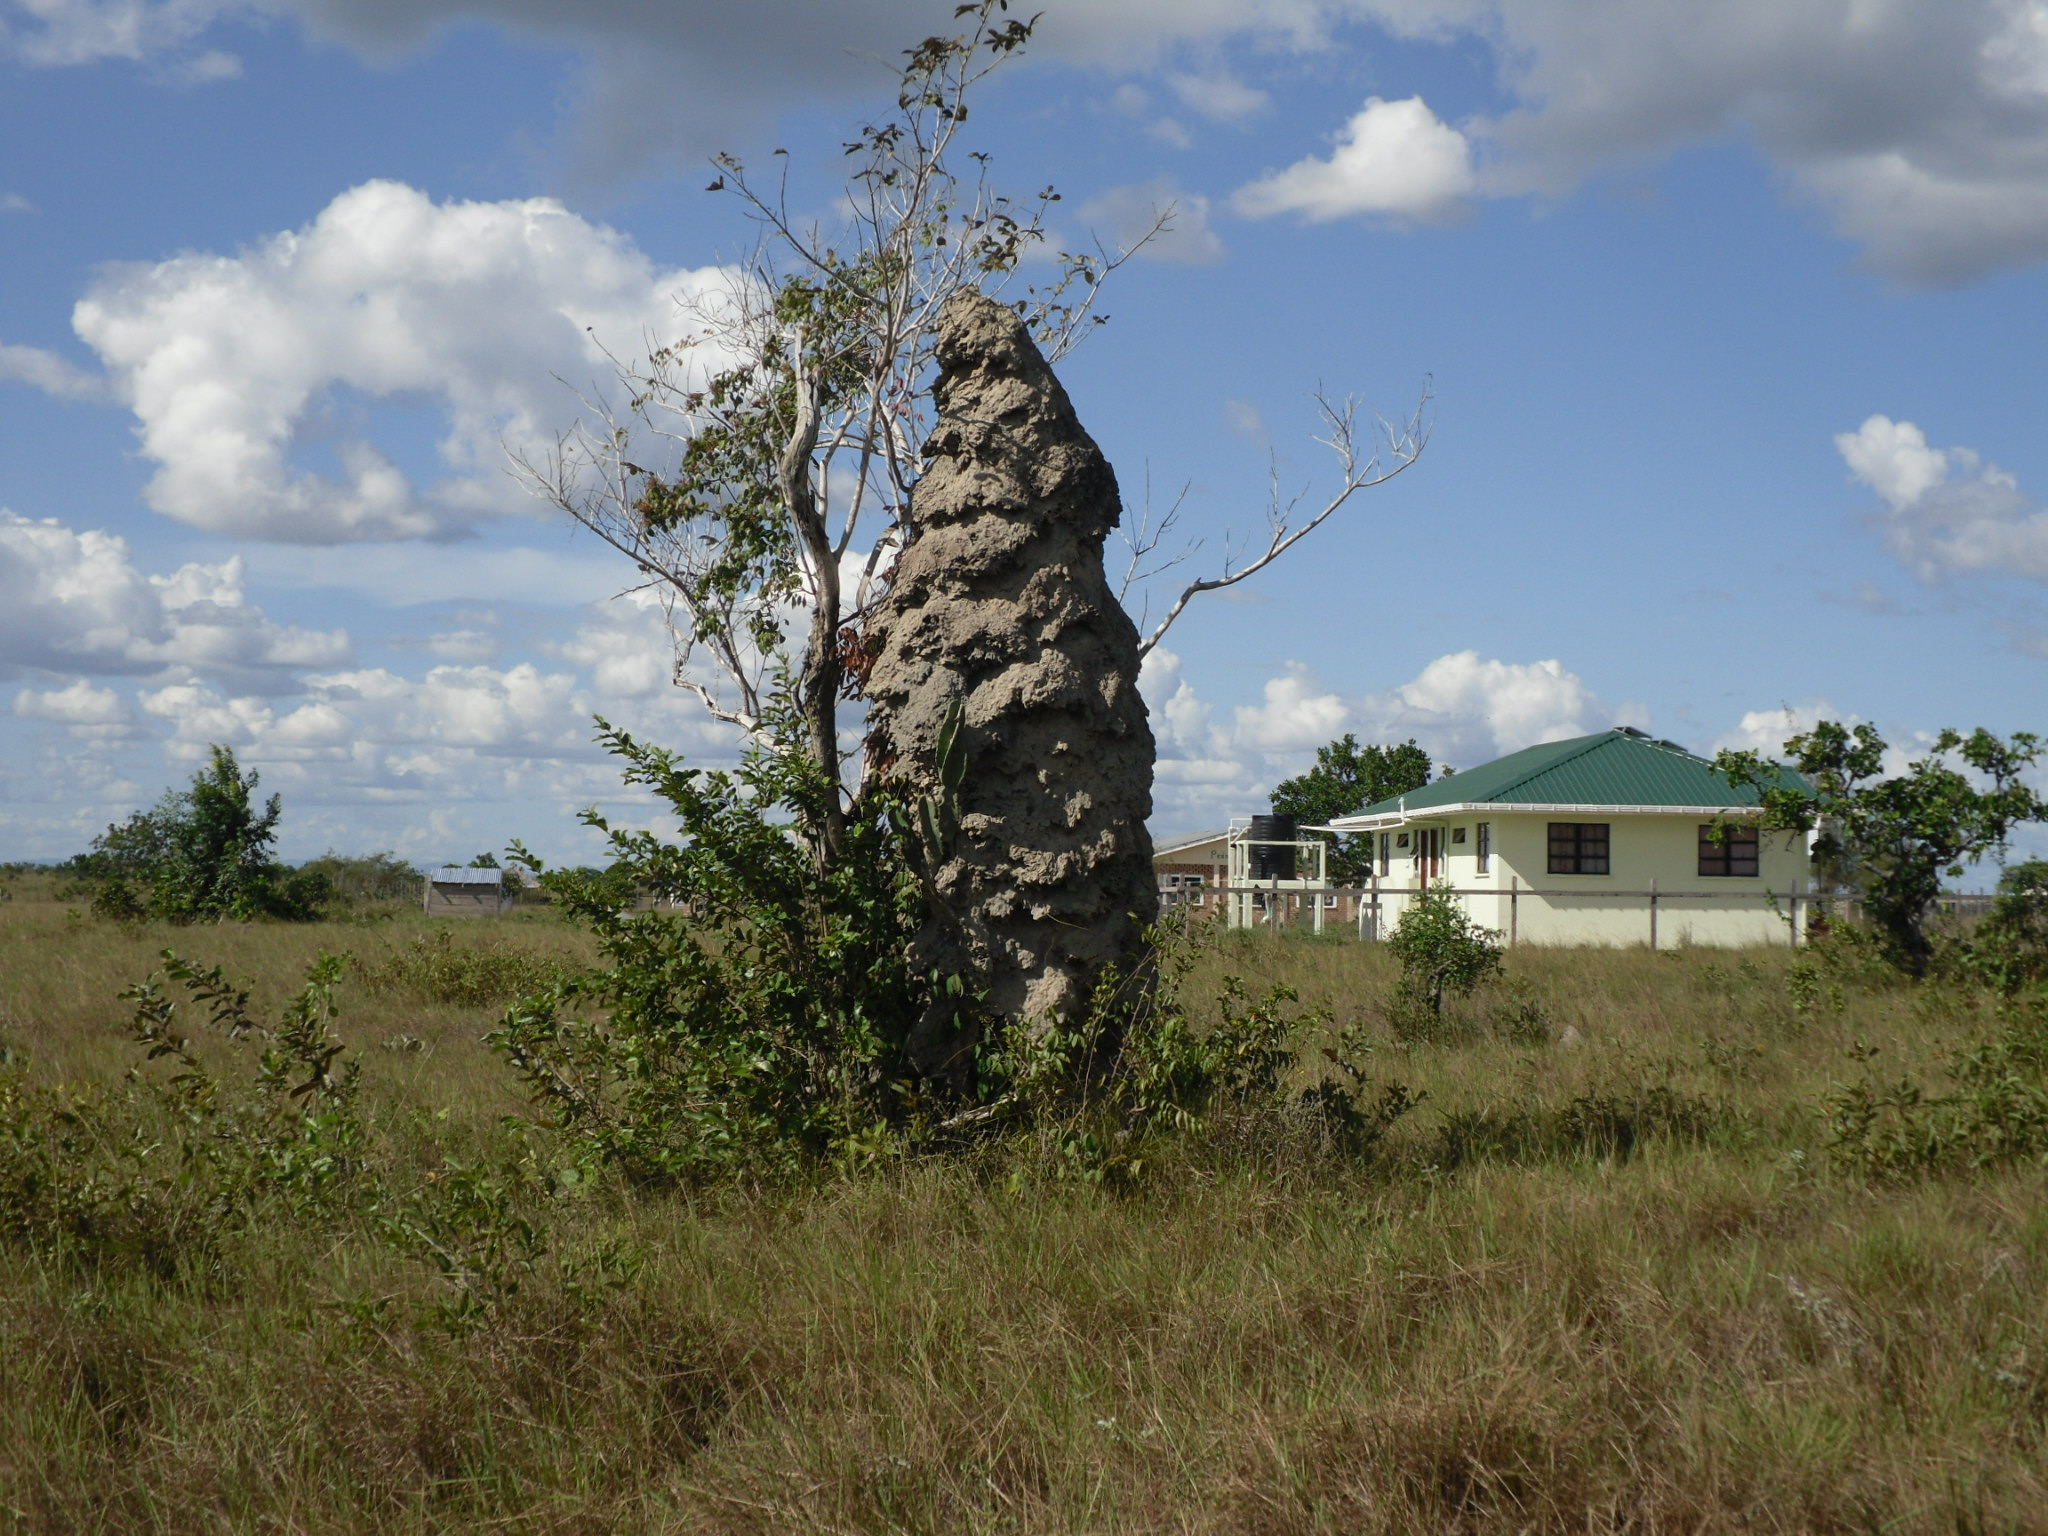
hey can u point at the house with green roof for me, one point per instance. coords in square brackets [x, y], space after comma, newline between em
[1614, 838]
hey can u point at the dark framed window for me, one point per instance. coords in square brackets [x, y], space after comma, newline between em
[1386, 852]
[1578, 847]
[1735, 852]
[1485, 849]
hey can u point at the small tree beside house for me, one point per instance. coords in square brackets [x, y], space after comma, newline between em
[1346, 779]
[1894, 839]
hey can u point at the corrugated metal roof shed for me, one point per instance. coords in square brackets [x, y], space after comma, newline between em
[1613, 768]
[456, 874]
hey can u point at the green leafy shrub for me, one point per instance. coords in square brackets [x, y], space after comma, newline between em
[477, 1225]
[368, 880]
[1175, 1076]
[757, 1016]
[2010, 946]
[1996, 1111]
[1443, 953]
[117, 901]
[201, 854]
[159, 1171]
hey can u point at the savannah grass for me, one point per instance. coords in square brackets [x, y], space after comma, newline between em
[1605, 1277]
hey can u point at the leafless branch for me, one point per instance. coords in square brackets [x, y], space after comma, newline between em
[1145, 540]
[1393, 447]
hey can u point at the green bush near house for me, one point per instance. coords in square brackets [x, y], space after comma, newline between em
[1442, 953]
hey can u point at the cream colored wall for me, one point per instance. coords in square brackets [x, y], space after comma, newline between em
[465, 901]
[1590, 909]
[1207, 856]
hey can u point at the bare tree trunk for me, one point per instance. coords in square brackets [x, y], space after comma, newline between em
[818, 682]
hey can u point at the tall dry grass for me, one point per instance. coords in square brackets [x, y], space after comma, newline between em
[1499, 1322]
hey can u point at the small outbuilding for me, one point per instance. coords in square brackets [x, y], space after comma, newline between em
[1191, 870]
[1615, 838]
[453, 891]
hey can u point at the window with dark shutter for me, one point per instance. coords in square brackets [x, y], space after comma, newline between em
[1734, 852]
[1578, 847]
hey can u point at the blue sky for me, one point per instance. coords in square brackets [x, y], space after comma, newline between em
[1733, 313]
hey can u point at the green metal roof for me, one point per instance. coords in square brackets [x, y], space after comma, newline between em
[1613, 768]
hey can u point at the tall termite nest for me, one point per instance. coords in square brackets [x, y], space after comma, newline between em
[1001, 605]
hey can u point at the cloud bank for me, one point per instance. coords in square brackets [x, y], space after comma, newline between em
[252, 377]
[1463, 708]
[1919, 127]
[74, 601]
[1948, 511]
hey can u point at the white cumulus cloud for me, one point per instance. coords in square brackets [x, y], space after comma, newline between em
[235, 365]
[74, 601]
[457, 735]
[1462, 708]
[1470, 709]
[87, 710]
[1948, 511]
[1298, 714]
[1397, 159]
[1767, 730]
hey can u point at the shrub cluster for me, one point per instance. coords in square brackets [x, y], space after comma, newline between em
[201, 854]
[366, 880]
[1994, 1112]
[160, 1169]
[433, 968]
[1443, 954]
[2010, 946]
[755, 1014]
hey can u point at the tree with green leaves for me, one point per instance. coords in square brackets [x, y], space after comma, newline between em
[202, 853]
[2010, 946]
[1442, 951]
[1345, 780]
[1893, 839]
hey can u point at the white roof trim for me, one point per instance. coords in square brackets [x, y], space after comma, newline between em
[1499, 808]
[1163, 846]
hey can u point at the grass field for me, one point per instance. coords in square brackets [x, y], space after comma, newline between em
[1608, 1276]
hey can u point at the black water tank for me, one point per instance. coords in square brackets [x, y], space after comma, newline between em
[1272, 863]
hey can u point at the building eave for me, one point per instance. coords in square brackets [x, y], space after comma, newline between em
[1402, 818]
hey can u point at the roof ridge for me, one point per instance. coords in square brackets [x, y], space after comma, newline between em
[1665, 744]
